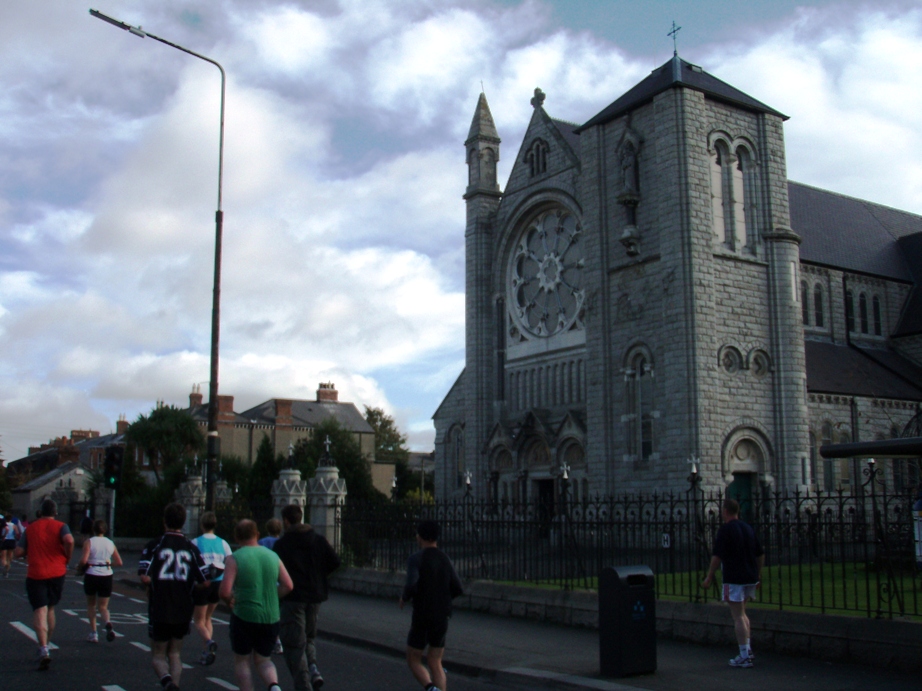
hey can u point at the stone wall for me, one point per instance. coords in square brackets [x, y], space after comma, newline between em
[872, 642]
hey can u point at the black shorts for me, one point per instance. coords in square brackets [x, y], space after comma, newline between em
[100, 586]
[206, 596]
[8, 545]
[161, 632]
[45, 592]
[431, 633]
[246, 637]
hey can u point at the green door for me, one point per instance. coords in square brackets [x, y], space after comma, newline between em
[741, 489]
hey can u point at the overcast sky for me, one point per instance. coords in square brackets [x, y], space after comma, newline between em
[344, 170]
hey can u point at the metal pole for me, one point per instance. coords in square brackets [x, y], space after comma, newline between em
[112, 516]
[214, 441]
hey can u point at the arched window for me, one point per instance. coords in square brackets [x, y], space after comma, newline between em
[640, 414]
[818, 305]
[456, 455]
[743, 195]
[850, 310]
[813, 455]
[719, 157]
[829, 473]
[863, 312]
[878, 330]
[804, 303]
[536, 157]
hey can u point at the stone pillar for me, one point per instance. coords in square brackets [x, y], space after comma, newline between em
[222, 493]
[191, 494]
[288, 489]
[325, 497]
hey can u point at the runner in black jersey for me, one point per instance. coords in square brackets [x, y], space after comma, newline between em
[171, 566]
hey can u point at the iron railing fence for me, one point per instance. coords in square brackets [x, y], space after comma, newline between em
[825, 552]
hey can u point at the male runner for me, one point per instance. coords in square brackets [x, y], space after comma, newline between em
[170, 566]
[739, 556]
[255, 579]
[432, 583]
[48, 546]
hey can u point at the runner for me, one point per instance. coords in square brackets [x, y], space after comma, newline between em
[213, 550]
[48, 545]
[432, 584]
[255, 580]
[9, 534]
[170, 566]
[98, 558]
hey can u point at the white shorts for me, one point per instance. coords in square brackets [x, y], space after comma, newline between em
[738, 593]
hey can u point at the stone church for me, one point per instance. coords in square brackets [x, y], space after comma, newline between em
[650, 295]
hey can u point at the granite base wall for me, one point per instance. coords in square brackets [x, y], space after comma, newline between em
[872, 642]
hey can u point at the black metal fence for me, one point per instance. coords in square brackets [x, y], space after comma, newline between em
[848, 553]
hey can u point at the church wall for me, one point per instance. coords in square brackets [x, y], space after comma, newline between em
[450, 415]
[911, 347]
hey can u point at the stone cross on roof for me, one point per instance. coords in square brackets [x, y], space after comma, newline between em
[538, 100]
[675, 33]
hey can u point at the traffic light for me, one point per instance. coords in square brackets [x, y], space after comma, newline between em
[112, 472]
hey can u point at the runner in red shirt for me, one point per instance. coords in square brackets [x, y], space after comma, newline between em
[47, 545]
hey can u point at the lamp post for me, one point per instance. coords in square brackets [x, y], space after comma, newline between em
[214, 442]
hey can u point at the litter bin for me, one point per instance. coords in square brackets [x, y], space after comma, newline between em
[627, 621]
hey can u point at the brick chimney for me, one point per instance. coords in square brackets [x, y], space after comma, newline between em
[282, 413]
[122, 425]
[225, 409]
[195, 398]
[327, 393]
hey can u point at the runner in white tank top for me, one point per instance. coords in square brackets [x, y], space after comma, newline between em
[99, 556]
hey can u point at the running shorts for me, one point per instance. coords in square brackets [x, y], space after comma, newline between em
[738, 593]
[44, 592]
[427, 633]
[247, 636]
[100, 586]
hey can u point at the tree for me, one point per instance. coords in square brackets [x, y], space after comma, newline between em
[346, 454]
[264, 472]
[390, 447]
[166, 436]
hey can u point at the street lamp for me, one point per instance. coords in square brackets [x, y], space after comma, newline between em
[214, 441]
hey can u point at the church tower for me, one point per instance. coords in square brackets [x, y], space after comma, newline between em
[482, 200]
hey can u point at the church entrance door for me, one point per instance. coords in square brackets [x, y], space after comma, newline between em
[545, 506]
[741, 489]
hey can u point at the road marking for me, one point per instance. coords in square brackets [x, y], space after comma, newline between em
[186, 665]
[112, 687]
[220, 621]
[102, 631]
[70, 612]
[114, 594]
[143, 647]
[140, 602]
[223, 684]
[29, 633]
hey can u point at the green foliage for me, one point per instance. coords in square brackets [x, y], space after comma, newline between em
[346, 454]
[264, 472]
[166, 436]
[6, 497]
[234, 471]
[140, 514]
[390, 447]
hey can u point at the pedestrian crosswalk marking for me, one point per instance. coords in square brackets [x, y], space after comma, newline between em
[141, 646]
[29, 633]
[223, 684]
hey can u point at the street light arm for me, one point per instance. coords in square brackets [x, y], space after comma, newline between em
[136, 30]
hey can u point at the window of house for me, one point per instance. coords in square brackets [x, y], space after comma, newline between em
[818, 305]
[813, 456]
[536, 158]
[639, 418]
[878, 328]
[804, 304]
[863, 312]
[829, 473]
[719, 155]
[849, 310]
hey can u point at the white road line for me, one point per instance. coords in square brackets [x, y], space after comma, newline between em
[223, 684]
[102, 631]
[186, 665]
[140, 602]
[29, 633]
[220, 621]
[143, 647]
[112, 687]
[70, 612]
[114, 594]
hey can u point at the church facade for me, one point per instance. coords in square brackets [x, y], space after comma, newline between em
[650, 296]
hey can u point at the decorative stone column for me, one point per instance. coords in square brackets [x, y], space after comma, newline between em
[191, 494]
[326, 496]
[288, 489]
[222, 493]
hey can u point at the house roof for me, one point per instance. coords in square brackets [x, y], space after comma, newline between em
[854, 371]
[848, 233]
[911, 319]
[50, 476]
[678, 73]
[311, 414]
[569, 131]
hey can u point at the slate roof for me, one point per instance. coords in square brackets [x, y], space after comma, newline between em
[850, 233]
[44, 479]
[911, 319]
[678, 72]
[569, 132]
[853, 371]
[311, 414]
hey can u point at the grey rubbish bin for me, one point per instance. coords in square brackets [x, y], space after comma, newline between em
[627, 621]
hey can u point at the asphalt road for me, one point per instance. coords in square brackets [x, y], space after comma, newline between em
[124, 665]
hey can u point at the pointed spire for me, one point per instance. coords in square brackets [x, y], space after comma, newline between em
[482, 124]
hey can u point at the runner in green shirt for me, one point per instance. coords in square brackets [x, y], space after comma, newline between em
[254, 580]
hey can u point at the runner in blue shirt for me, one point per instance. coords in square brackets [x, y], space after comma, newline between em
[213, 550]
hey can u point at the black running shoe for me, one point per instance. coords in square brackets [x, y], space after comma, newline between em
[110, 634]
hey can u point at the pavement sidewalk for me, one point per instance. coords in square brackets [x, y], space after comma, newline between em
[540, 655]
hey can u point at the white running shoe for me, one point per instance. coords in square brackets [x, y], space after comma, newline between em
[740, 661]
[93, 637]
